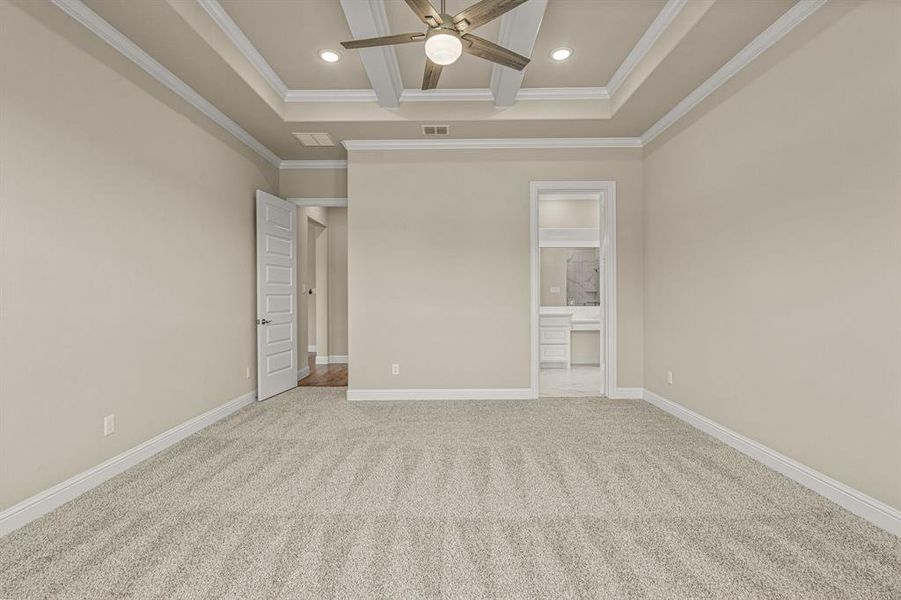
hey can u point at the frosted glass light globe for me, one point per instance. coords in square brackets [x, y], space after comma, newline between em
[443, 48]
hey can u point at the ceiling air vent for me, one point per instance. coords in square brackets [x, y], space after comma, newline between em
[314, 139]
[431, 130]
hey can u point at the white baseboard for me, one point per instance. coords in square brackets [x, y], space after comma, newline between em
[304, 372]
[22, 513]
[874, 511]
[627, 394]
[442, 394]
[335, 359]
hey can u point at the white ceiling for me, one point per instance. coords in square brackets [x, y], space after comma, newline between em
[257, 62]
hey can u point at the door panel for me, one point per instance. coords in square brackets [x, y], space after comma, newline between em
[276, 295]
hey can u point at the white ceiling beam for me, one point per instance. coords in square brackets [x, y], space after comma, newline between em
[367, 19]
[519, 30]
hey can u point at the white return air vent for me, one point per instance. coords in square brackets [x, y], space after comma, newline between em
[314, 139]
[432, 130]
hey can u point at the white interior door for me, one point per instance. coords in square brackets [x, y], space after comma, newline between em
[276, 295]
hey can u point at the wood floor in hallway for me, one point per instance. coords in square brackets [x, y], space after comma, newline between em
[324, 375]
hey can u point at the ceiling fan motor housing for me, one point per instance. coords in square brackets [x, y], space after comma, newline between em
[446, 26]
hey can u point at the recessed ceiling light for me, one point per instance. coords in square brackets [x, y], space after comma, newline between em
[330, 56]
[559, 54]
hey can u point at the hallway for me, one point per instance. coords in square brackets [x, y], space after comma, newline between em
[324, 375]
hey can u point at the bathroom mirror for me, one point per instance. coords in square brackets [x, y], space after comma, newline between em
[570, 277]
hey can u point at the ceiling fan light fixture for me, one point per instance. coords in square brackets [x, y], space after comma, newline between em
[561, 54]
[443, 48]
[330, 56]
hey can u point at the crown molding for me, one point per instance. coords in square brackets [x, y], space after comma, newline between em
[241, 41]
[492, 144]
[564, 93]
[112, 36]
[373, 12]
[291, 165]
[219, 16]
[660, 24]
[772, 34]
[323, 202]
[447, 95]
[356, 95]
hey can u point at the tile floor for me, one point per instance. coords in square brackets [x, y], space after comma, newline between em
[574, 382]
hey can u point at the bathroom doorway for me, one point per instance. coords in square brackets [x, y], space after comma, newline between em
[572, 288]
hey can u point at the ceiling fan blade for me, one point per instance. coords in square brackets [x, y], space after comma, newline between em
[481, 12]
[388, 40]
[426, 12]
[473, 44]
[431, 75]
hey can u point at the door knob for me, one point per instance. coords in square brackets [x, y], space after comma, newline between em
[263, 321]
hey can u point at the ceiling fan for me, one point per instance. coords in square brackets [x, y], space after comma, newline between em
[448, 37]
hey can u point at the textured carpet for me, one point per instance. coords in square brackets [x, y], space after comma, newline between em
[309, 496]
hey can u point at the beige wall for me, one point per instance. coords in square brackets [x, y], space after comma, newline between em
[773, 263]
[558, 212]
[313, 183]
[439, 274]
[337, 280]
[126, 252]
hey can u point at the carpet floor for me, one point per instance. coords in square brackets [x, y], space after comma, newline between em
[309, 496]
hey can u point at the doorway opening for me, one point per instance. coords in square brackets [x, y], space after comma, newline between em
[573, 288]
[316, 288]
[322, 305]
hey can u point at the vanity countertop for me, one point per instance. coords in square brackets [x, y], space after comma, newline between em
[584, 318]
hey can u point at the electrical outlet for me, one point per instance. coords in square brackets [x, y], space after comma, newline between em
[247, 373]
[669, 377]
[395, 369]
[109, 425]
